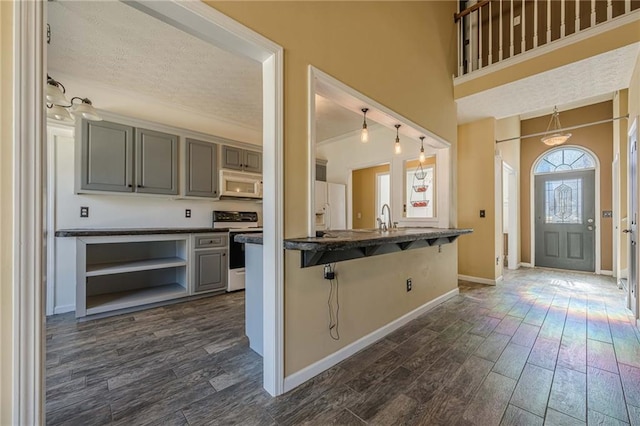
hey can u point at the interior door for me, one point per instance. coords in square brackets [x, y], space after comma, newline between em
[565, 220]
[633, 218]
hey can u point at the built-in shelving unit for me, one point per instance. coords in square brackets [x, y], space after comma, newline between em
[128, 271]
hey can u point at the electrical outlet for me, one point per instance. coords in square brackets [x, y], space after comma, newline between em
[482, 213]
[84, 211]
[409, 284]
[497, 261]
[187, 213]
[329, 273]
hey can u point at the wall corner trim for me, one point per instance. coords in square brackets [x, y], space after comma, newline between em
[480, 280]
[296, 379]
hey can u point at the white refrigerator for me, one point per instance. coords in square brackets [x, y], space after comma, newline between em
[330, 205]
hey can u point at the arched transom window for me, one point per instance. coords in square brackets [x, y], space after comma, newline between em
[565, 159]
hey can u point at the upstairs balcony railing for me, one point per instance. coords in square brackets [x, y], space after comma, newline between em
[491, 31]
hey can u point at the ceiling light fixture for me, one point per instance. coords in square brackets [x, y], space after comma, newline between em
[364, 134]
[554, 136]
[58, 106]
[398, 148]
[422, 157]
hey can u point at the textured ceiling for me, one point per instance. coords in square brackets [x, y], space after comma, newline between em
[118, 46]
[333, 120]
[590, 78]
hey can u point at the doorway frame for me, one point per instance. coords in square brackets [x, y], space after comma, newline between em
[512, 239]
[29, 162]
[532, 224]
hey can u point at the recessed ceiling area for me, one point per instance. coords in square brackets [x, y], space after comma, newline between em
[114, 48]
[595, 78]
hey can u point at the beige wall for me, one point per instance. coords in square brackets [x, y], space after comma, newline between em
[364, 196]
[402, 54]
[6, 240]
[634, 93]
[476, 183]
[598, 139]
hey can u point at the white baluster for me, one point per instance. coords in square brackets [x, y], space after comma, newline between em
[472, 56]
[548, 21]
[490, 55]
[627, 6]
[479, 38]
[535, 23]
[577, 16]
[523, 28]
[460, 45]
[511, 30]
[500, 40]
[593, 13]
[609, 10]
[562, 20]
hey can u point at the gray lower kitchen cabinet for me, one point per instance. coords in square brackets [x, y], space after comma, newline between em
[106, 156]
[201, 168]
[241, 159]
[210, 262]
[210, 270]
[156, 162]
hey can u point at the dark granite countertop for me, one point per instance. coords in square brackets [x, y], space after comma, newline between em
[355, 238]
[108, 232]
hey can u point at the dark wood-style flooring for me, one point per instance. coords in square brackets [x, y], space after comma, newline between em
[542, 348]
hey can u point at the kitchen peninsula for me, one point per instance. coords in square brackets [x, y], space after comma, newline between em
[333, 246]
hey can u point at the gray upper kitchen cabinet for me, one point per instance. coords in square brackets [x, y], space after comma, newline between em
[241, 159]
[201, 168]
[120, 158]
[156, 162]
[106, 156]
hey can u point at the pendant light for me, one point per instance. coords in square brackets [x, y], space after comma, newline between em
[58, 107]
[554, 136]
[421, 158]
[398, 148]
[85, 109]
[364, 134]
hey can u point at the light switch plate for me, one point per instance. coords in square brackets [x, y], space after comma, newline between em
[482, 213]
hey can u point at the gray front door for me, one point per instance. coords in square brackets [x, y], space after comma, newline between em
[565, 220]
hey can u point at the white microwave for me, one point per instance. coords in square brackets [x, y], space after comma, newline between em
[240, 185]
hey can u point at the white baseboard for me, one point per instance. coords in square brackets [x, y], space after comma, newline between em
[63, 309]
[605, 272]
[499, 279]
[479, 280]
[296, 379]
[525, 265]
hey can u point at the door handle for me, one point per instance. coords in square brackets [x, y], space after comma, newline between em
[590, 228]
[627, 231]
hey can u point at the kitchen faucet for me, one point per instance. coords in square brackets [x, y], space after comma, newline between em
[385, 226]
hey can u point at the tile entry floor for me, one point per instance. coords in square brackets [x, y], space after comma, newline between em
[544, 347]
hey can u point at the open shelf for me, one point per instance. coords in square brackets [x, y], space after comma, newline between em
[139, 265]
[126, 299]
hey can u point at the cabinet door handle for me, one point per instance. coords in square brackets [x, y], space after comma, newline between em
[140, 186]
[130, 186]
[224, 254]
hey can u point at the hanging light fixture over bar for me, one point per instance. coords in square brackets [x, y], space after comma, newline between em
[397, 147]
[422, 157]
[579, 126]
[364, 134]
